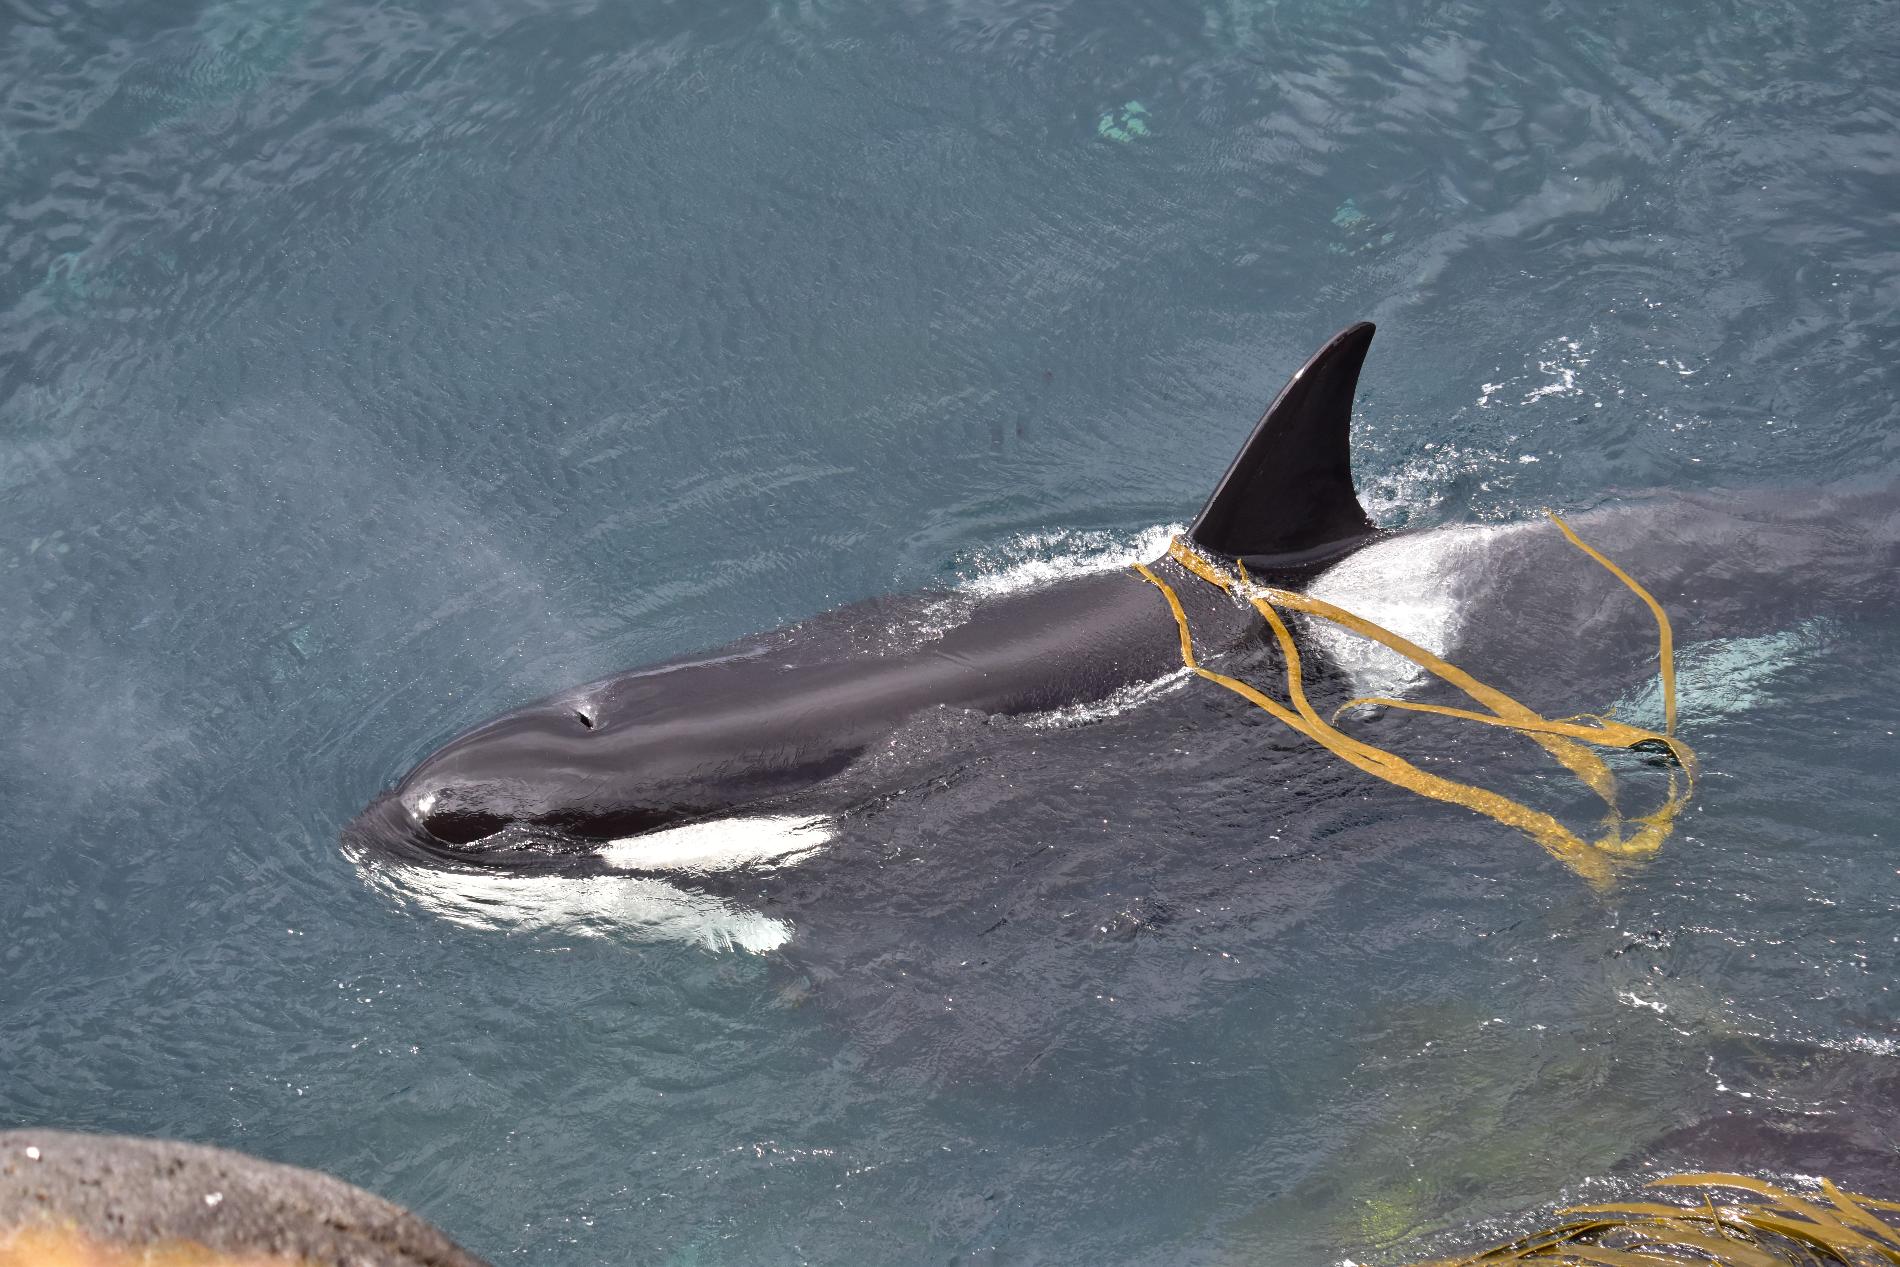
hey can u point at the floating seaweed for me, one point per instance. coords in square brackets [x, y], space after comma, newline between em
[1763, 1226]
[1568, 740]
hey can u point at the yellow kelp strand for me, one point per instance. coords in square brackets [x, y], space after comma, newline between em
[1765, 1226]
[1665, 636]
[1569, 739]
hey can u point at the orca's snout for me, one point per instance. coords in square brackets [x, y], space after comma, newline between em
[504, 773]
[451, 811]
[390, 829]
[553, 777]
[462, 827]
[386, 828]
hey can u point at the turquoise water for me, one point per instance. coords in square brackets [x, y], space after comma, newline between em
[368, 369]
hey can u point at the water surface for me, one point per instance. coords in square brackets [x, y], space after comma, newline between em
[366, 369]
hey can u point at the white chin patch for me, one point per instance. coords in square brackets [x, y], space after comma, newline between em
[630, 907]
[723, 845]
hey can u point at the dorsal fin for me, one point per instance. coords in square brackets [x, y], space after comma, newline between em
[1288, 498]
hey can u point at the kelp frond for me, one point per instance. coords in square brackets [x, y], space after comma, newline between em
[1729, 1220]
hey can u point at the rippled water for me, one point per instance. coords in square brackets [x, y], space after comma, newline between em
[366, 369]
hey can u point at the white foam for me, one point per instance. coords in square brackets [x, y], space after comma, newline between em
[1121, 701]
[1037, 558]
[1561, 361]
[636, 907]
[1421, 482]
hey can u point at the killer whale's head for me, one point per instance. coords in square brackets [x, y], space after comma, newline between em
[546, 766]
[552, 779]
[565, 777]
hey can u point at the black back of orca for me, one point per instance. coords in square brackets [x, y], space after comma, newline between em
[781, 716]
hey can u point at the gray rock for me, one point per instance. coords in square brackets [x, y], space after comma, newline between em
[137, 1192]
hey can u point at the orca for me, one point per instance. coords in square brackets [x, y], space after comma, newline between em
[765, 722]
[812, 718]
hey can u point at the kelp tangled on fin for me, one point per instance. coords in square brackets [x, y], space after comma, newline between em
[1764, 1226]
[1567, 739]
